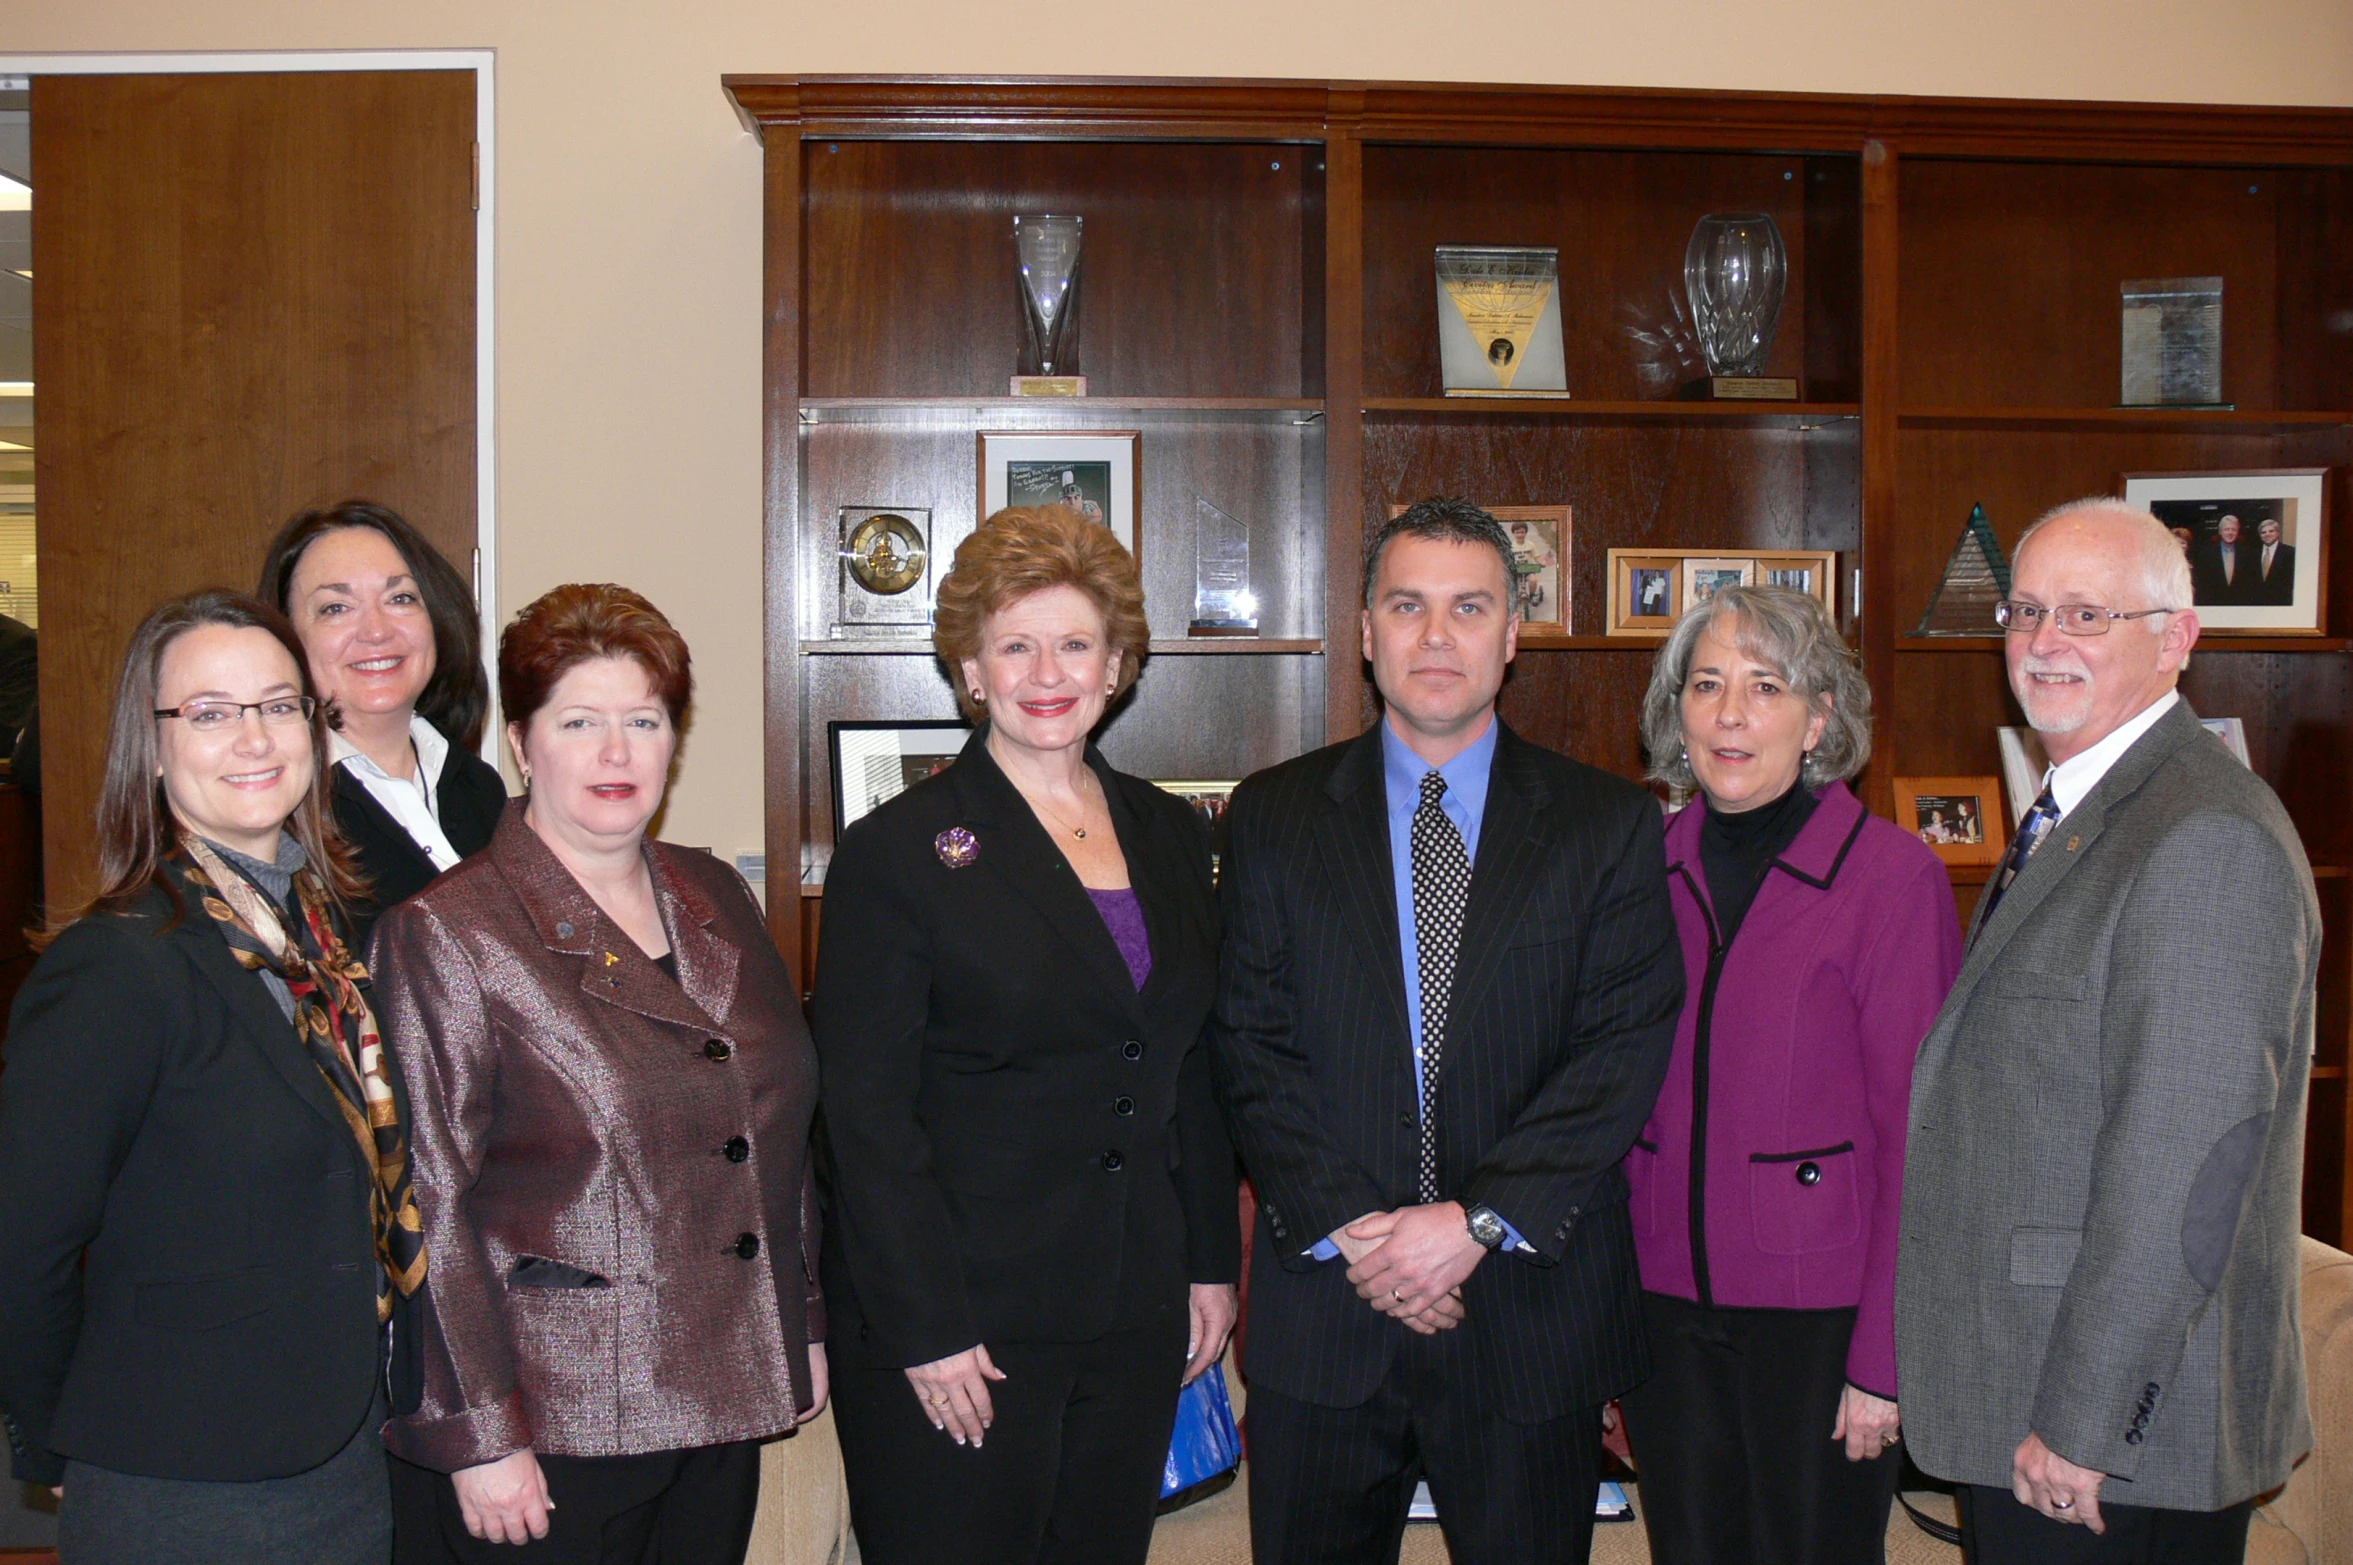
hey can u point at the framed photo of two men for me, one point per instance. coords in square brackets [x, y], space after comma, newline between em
[2257, 542]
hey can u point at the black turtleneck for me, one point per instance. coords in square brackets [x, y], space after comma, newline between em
[1735, 849]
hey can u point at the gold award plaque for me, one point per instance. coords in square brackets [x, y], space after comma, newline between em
[886, 554]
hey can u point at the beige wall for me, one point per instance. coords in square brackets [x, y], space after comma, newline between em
[629, 198]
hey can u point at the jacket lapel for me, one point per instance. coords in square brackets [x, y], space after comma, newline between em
[352, 795]
[612, 968]
[1513, 834]
[1354, 837]
[1154, 866]
[255, 1008]
[2074, 832]
[1017, 852]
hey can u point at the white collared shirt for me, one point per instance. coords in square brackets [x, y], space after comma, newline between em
[409, 800]
[2072, 780]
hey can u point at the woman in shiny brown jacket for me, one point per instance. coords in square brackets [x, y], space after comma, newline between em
[613, 1087]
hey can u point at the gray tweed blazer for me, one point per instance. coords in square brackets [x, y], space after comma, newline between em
[2101, 1193]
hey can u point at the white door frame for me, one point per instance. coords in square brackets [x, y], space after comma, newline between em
[483, 63]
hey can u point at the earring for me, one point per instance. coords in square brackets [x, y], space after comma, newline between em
[526, 771]
[977, 698]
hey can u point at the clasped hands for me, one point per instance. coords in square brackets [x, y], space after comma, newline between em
[1410, 1264]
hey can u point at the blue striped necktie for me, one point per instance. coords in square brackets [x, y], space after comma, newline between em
[2031, 831]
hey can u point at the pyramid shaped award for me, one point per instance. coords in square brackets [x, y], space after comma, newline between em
[1975, 579]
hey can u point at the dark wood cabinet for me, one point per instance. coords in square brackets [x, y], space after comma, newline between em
[1259, 304]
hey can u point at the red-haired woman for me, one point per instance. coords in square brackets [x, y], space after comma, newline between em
[613, 1088]
[205, 1218]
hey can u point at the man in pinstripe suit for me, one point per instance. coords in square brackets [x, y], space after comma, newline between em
[1448, 991]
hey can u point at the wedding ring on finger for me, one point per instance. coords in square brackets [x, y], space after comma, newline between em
[2062, 1505]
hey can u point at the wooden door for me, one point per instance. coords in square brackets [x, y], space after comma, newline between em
[254, 293]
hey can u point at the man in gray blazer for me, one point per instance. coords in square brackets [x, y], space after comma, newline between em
[2096, 1305]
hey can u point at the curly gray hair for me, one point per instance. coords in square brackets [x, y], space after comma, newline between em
[1788, 631]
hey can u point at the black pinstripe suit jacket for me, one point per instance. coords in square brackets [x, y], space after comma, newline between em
[1565, 999]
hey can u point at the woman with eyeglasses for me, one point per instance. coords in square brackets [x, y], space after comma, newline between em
[205, 1218]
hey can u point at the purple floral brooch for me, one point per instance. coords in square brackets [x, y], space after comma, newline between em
[956, 847]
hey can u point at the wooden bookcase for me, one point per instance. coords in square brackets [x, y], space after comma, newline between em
[1258, 303]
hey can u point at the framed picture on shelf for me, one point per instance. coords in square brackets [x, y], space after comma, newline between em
[1540, 567]
[2257, 541]
[1645, 592]
[1095, 473]
[1706, 575]
[1650, 588]
[1960, 818]
[876, 761]
[1208, 800]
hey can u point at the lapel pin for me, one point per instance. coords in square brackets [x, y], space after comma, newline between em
[2072, 843]
[956, 847]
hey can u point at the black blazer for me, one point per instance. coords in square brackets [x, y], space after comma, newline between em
[1007, 1116]
[471, 797]
[1563, 1015]
[158, 1113]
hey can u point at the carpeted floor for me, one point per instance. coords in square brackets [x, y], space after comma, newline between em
[1217, 1532]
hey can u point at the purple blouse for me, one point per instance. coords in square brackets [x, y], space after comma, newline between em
[1124, 916]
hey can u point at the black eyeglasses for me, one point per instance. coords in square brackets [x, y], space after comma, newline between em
[2073, 619]
[218, 717]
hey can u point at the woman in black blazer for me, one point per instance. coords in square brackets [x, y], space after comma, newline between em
[389, 628]
[1033, 1233]
[205, 1221]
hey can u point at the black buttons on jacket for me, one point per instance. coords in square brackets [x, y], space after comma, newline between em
[1131, 1050]
[737, 1149]
[2134, 1437]
[717, 1049]
[1809, 1173]
[1113, 1162]
[1123, 1106]
[746, 1246]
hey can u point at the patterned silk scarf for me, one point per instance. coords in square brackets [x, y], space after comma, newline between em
[330, 1017]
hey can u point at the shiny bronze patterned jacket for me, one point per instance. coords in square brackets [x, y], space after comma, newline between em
[614, 1168]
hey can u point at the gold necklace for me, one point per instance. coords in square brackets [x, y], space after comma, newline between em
[1079, 831]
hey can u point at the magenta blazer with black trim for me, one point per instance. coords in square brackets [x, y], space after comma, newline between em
[1799, 1090]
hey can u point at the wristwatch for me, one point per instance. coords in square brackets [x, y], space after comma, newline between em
[1486, 1228]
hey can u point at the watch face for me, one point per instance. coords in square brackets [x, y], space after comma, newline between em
[1486, 1227]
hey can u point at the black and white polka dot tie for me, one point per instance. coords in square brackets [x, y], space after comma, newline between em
[1441, 884]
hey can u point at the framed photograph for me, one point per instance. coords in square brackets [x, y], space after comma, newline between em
[1540, 567]
[2257, 541]
[1208, 800]
[1703, 575]
[1960, 818]
[1808, 571]
[877, 761]
[1645, 592]
[1094, 473]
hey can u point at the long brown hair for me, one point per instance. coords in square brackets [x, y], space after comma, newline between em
[136, 829]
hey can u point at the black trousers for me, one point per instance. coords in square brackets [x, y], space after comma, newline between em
[1997, 1530]
[1069, 1473]
[690, 1507]
[1330, 1484]
[1732, 1447]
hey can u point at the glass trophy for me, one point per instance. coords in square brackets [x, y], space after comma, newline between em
[1734, 271]
[1046, 253]
[1223, 604]
[2172, 343]
[1975, 579]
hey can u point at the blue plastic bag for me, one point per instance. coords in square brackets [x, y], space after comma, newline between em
[1205, 1444]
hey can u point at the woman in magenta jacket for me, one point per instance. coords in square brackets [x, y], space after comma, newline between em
[1818, 943]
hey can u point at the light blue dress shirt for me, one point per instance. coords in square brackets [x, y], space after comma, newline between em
[1465, 804]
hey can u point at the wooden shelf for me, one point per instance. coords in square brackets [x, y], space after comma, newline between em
[823, 409]
[2328, 1073]
[1643, 643]
[2235, 421]
[1757, 415]
[2206, 644]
